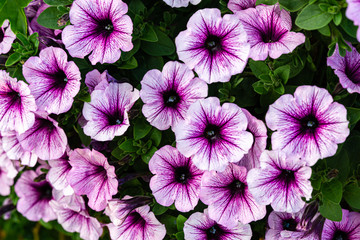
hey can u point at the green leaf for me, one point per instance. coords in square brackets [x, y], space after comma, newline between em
[155, 137]
[129, 64]
[349, 27]
[23, 39]
[14, 11]
[46, 225]
[283, 73]
[341, 163]
[136, 6]
[267, 2]
[337, 18]
[149, 34]
[325, 31]
[170, 223]
[86, 140]
[164, 47]
[58, 2]
[332, 190]
[259, 88]
[180, 220]
[128, 146]
[311, 18]
[258, 68]
[146, 157]
[127, 55]
[293, 5]
[280, 89]
[180, 235]
[49, 18]
[13, 58]
[352, 195]
[159, 209]
[141, 128]
[353, 114]
[330, 210]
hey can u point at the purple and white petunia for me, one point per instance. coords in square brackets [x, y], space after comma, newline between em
[228, 197]
[45, 138]
[347, 69]
[268, 29]
[107, 113]
[95, 80]
[17, 105]
[118, 210]
[176, 179]
[100, 27]
[14, 150]
[239, 5]
[53, 80]
[34, 197]
[213, 135]
[281, 181]
[348, 228]
[352, 13]
[200, 226]
[215, 47]
[58, 172]
[167, 95]
[7, 173]
[284, 226]
[309, 124]
[7, 37]
[140, 224]
[73, 217]
[259, 132]
[181, 3]
[91, 175]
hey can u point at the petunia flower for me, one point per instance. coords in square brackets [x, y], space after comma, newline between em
[91, 175]
[95, 81]
[118, 210]
[347, 69]
[181, 3]
[75, 218]
[167, 95]
[200, 226]
[107, 113]
[57, 175]
[215, 47]
[258, 129]
[140, 224]
[53, 80]
[268, 29]
[309, 124]
[348, 228]
[7, 173]
[45, 138]
[239, 5]
[228, 197]
[281, 181]
[352, 13]
[17, 105]
[7, 37]
[34, 197]
[14, 150]
[284, 226]
[100, 27]
[213, 135]
[175, 179]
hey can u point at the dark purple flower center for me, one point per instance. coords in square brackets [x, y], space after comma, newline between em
[309, 123]
[171, 98]
[182, 174]
[214, 233]
[14, 97]
[45, 190]
[237, 187]
[212, 132]
[289, 224]
[46, 124]
[287, 176]
[135, 219]
[213, 43]
[340, 235]
[353, 72]
[60, 79]
[115, 119]
[106, 26]
[2, 35]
